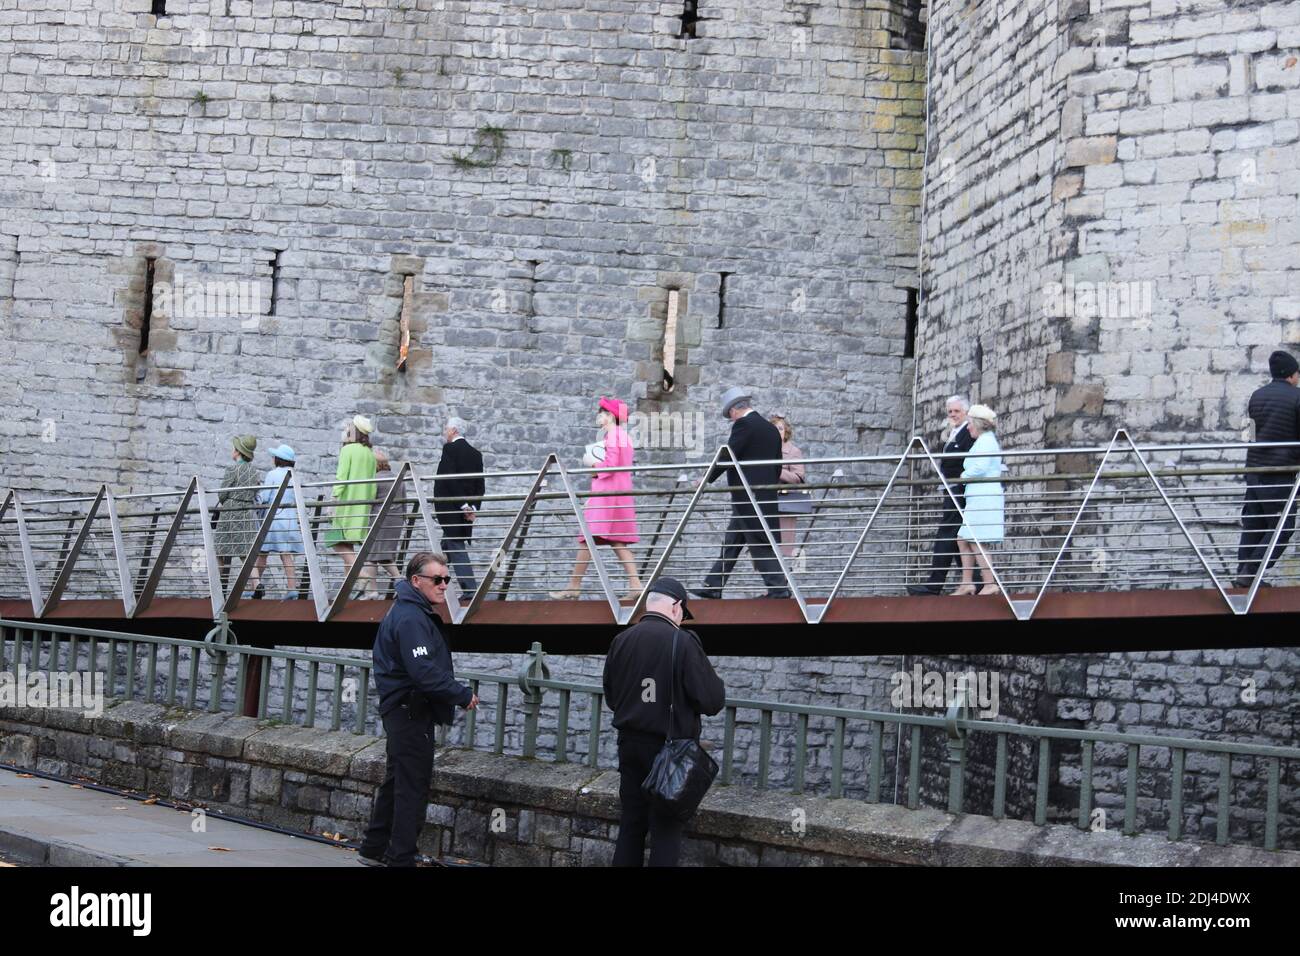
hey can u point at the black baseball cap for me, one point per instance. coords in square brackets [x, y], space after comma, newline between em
[675, 590]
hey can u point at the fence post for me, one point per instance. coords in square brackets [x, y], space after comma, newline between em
[534, 669]
[957, 712]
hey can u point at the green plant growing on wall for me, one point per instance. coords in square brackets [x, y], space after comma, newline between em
[489, 142]
[201, 100]
[398, 73]
[562, 158]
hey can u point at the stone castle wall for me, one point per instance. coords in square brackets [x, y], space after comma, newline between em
[1110, 213]
[546, 174]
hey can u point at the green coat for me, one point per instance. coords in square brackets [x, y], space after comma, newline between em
[352, 521]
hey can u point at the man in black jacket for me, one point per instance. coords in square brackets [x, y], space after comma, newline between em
[945, 542]
[464, 496]
[642, 675]
[417, 691]
[1275, 409]
[753, 438]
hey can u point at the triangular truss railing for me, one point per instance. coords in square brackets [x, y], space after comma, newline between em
[1238, 603]
[34, 592]
[916, 442]
[137, 601]
[64, 573]
[235, 594]
[459, 614]
[341, 596]
[676, 535]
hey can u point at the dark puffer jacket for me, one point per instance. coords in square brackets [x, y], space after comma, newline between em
[410, 654]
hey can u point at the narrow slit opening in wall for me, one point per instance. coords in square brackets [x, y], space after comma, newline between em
[909, 340]
[722, 297]
[690, 17]
[404, 322]
[979, 357]
[531, 319]
[275, 279]
[670, 339]
[146, 313]
[159, 8]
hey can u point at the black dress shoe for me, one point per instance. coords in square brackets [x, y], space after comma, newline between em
[920, 589]
[779, 593]
[707, 594]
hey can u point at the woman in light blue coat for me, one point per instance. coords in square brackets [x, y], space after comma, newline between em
[283, 537]
[984, 500]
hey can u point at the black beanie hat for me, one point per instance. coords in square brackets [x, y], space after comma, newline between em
[1282, 364]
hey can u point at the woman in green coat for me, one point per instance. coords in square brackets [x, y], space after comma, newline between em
[352, 521]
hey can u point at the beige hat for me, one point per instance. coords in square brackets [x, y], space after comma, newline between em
[983, 414]
[362, 424]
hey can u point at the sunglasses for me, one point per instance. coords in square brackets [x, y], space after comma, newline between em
[436, 578]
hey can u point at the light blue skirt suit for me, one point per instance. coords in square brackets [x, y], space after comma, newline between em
[984, 499]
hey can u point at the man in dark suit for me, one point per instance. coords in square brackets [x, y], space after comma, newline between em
[753, 438]
[1275, 409]
[459, 500]
[945, 542]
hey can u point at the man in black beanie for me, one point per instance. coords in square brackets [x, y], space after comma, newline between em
[1275, 409]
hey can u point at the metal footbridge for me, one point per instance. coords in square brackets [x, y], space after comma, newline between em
[1115, 546]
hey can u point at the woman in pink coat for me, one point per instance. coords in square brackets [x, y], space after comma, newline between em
[611, 519]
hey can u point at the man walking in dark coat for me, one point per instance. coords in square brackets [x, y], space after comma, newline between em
[1275, 409]
[753, 438]
[413, 675]
[945, 542]
[642, 675]
[465, 494]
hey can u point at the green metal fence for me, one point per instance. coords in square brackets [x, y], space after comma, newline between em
[53, 648]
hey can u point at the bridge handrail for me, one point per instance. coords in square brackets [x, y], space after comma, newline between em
[147, 546]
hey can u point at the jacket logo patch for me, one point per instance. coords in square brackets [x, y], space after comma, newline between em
[420, 652]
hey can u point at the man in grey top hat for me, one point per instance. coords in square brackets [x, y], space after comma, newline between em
[753, 438]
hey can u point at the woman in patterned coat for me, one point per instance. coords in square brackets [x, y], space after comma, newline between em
[237, 519]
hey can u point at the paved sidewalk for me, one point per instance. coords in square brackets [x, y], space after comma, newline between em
[47, 822]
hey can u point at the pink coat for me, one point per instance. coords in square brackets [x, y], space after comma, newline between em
[613, 518]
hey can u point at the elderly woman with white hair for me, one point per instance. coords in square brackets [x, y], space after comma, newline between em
[983, 514]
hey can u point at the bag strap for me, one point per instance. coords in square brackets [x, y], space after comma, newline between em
[672, 684]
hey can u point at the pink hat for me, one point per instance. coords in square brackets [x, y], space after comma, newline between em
[615, 407]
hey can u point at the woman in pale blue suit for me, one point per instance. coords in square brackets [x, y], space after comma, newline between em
[984, 500]
[283, 537]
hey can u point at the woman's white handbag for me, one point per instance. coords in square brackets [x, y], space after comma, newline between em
[595, 454]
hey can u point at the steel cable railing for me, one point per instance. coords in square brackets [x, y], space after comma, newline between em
[1078, 519]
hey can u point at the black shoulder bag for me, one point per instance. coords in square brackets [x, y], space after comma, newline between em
[682, 772]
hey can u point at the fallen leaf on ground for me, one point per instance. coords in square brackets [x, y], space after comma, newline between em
[220, 849]
[27, 776]
[76, 786]
[151, 801]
